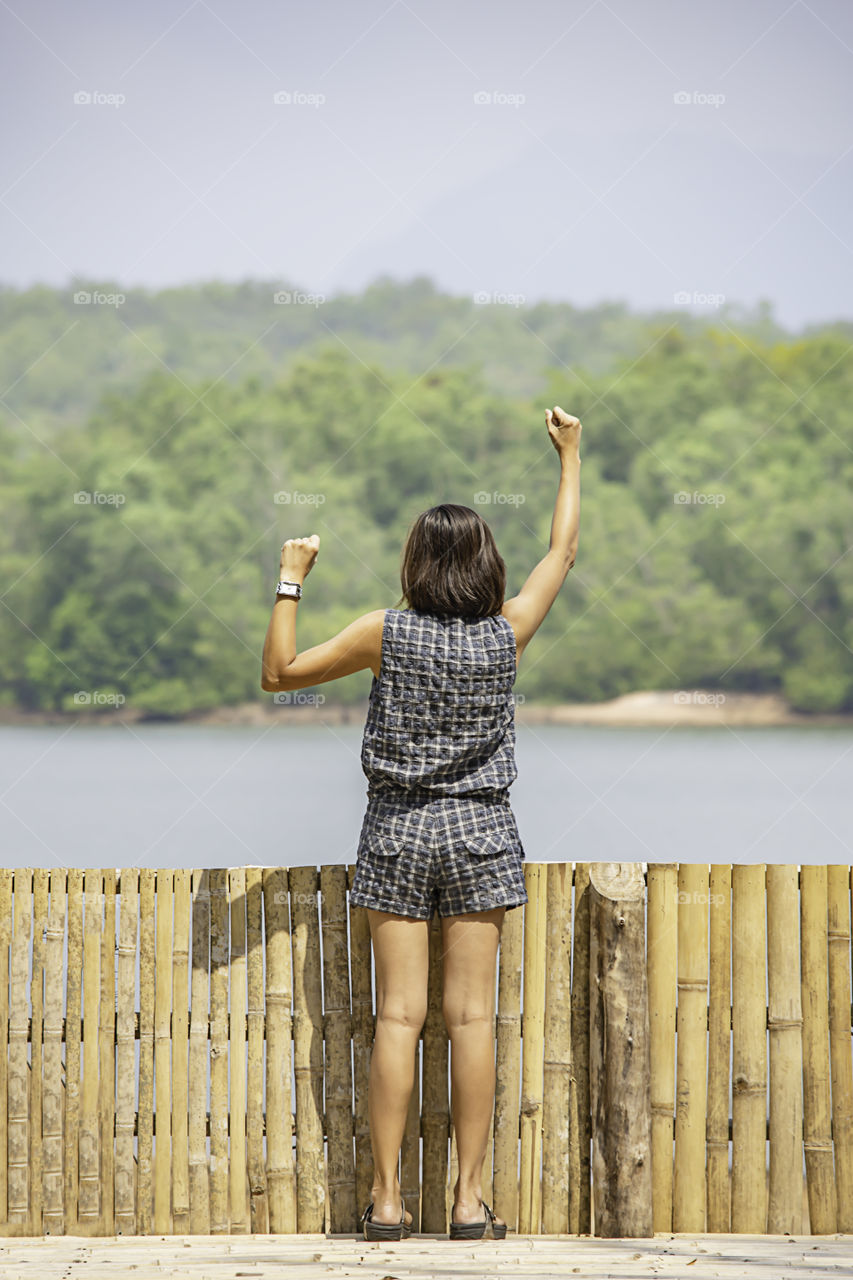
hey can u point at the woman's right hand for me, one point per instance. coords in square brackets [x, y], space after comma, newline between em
[564, 430]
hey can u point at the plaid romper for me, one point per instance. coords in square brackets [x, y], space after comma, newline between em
[439, 755]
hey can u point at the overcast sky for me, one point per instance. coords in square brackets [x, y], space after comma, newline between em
[531, 149]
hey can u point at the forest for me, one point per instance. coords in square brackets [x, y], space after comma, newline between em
[158, 449]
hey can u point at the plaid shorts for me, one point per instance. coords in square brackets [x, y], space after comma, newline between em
[453, 854]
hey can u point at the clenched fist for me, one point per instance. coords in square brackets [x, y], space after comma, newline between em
[298, 556]
[564, 430]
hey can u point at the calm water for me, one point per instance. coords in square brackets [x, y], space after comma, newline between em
[186, 796]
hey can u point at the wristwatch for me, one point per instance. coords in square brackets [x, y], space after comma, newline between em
[291, 589]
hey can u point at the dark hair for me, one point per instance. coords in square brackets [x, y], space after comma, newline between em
[451, 564]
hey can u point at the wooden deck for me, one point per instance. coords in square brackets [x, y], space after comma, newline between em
[424, 1257]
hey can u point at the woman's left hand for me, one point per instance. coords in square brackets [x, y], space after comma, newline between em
[298, 556]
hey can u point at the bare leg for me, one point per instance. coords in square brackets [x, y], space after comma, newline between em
[470, 945]
[401, 956]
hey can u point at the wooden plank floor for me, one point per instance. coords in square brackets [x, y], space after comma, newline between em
[422, 1257]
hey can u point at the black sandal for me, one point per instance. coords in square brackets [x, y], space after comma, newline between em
[488, 1229]
[385, 1230]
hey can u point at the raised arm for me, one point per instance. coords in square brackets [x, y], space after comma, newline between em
[526, 611]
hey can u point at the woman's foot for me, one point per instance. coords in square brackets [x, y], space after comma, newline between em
[386, 1207]
[471, 1210]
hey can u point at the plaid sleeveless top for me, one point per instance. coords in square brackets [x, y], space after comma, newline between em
[441, 715]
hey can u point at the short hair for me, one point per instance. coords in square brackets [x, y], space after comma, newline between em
[451, 564]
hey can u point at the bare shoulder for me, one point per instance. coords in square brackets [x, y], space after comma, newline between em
[509, 610]
[372, 624]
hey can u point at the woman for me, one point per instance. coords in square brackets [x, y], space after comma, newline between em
[439, 832]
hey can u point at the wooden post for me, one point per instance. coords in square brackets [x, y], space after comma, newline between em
[238, 1189]
[719, 1049]
[508, 1069]
[219, 1219]
[279, 1000]
[337, 1024]
[361, 979]
[89, 1212]
[558, 1051]
[145, 1122]
[785, 1019]
[688, 1201]
[180, 1055]
[749, 1052]
[817, 1137]
[580, 1199]
[619, 1052]
[533, 1050]
[258, 1209]
[54, 1208]
[308, 1050]
[199, 1055]
[662, 964]
[838, 938]
[40, 888]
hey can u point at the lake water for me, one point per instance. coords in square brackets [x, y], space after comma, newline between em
[188, 796]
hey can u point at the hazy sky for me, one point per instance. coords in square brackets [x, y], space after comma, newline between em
[579, 177]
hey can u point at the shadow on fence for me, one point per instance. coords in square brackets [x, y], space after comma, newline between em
[187, 1052]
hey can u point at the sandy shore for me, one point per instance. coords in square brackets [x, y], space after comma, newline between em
[652, 708]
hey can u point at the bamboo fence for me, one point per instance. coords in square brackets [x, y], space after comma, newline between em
[188, 1052]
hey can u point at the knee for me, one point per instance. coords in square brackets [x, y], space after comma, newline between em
[407, 1014]
[461, 1013]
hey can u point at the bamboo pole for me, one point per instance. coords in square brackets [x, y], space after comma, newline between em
[90, 1209]
[107, 1058]
[145, 1123]
[558, 1050]
[18, 1079]
[199, 1056]
[72, 1047]
[785, 1020]
[688, 1200]
[619, 1052]
[40, 890]
[581, 1212]
[239, 1010]
[162, 1047]
[337, 1024]
[719, 1050]
[410, 1155]
[507, 1069]
[362, 1043]
[279, 998]
[180, 1168]
[53, 1218]
[258, 1209]
[662, 965]
[749, 1052]
[125, 1201]
[5, 952]
[533, 1050]
[838, 939]
[219, 1220]
[817, 1135]
[308, 1050]
[435, 1120]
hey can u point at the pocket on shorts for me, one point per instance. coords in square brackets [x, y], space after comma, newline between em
[493, 835]
[387, 834]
